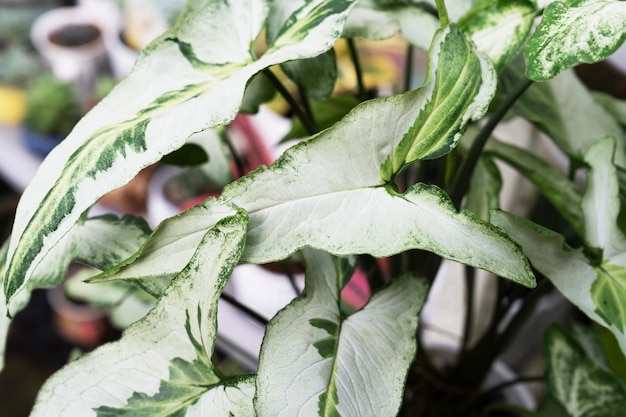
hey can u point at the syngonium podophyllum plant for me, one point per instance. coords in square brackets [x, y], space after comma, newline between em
[409, 177]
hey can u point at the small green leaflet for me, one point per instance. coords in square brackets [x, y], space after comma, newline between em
[582, 387]
[331, 365]
[598, 288]
[586, 31]
[209, 60]
[161, 364]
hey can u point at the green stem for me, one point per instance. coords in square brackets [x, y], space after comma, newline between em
[308, 110]
[408, 68]
[354, 55]
[443, 13]
[245, 309]
[461, 180]
[469, 306]
[307, 123]
[233, 152]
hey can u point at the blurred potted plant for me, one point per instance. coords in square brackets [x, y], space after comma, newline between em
[394, 187]
[52, 111]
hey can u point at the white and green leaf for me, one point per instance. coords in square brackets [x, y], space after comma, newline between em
[499, 28]
[343, 202]
[161, 257]
[100, 242]
[585, 31]
[316, 362]
[209, 60]
[162, 364]
[580, 385]
[565, 110]
[553, 184]
[596, 286]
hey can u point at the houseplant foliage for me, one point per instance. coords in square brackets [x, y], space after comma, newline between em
[338, 197]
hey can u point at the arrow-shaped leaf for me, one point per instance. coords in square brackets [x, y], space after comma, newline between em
[597, 287]
[162, 365]
[586, 31]
[331, 192]
[189, 79]
[314, 361]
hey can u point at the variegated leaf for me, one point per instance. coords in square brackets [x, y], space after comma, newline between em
[564, 109]
[459, 86]
[597, 287]
[585, 31]
[373, 20]
[170, 247]
[582, 387]
[553, 184]
[499, 28]
[484, 191]
[342, 203]
[316, 362]
[100, 242]
[189, 79]
[162, 364]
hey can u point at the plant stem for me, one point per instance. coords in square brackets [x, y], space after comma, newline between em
[469, 306]
[354, 55]
[307, 123]
[461, 180]
[247, 310]
[408, 68]
[233, 152]
[443, 13]
[484, 396]
[528, 306]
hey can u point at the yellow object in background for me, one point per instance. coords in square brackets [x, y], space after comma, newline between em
[12, 105]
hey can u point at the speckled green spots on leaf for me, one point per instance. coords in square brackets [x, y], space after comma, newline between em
[581, 386]
[586, 31]
[161, 365]
[499, 28]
